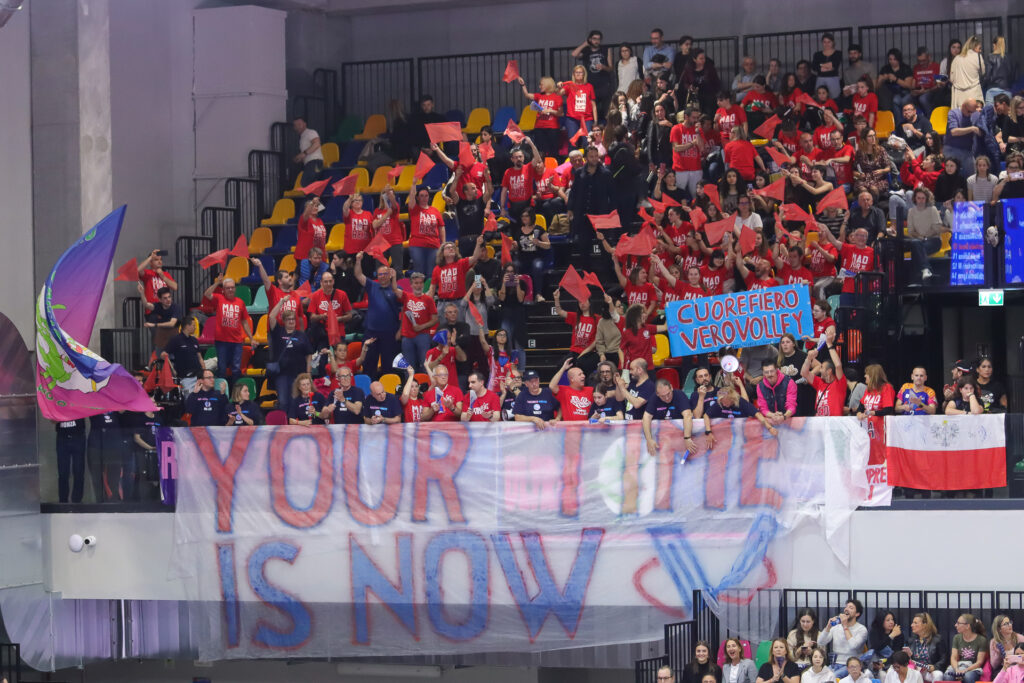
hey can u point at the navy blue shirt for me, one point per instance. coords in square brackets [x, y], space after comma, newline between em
[290, 350]
[249, 409]
[344, 416]
[301, 407]
[382, 308]
[610, 407]
[206, 408]
[543, 405]
[672, 409]
[389, 407]
[184, 352]
[710, 399]
[742, 409]
[644, 391]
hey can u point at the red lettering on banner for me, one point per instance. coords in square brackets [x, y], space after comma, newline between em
[442, 470]
[730, 306]
[631, 471]
[223, 473]
[714, 476]
[386, 510]
[670, 441]
[685, 308]
[324, 496]
[763, 449]
[691, 342]
[571, 471]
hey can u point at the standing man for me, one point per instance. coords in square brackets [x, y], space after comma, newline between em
[163, 319]
[283, 289]
[590, 194]
[71, 459]
[382, 322]
[328, 301]
[232, 325]
[310, 156]
[961, 134]
[207, 406]
[639, 391]
[776, 394]
[658, 47]
[153, 277]
[182, 352]
[855, 69]
[597, 61]
[831, 385]
[688, 147]
[519, 183]
[672, 404]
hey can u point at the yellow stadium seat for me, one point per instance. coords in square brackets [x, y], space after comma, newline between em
[260, 336]
[405, 179]
[283, 210]
[238, 268]
[260, 240]
[376, 125]
[541, 222]
[362, 178]
[331, 153]
[380, 179]
[288, 263]
[336, 240]
[938, 119]
[490, 251]
[884, 124]
[661, 349]
[391, 382]
[944, 249]
[296, 190]
[478, 118]
[528, 119]
[438, 202]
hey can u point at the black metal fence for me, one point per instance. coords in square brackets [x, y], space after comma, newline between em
[188, 250]
[646, 670]
[463, 82]
[218, 223]
[1015, 34]
[792, 46]
[680, 639]
[243, 195]
[934, 35]
[122, 345]
[284, 141]
[325, 81]
[268, 168]
[367, 87]
[179, 273]
[10, 662]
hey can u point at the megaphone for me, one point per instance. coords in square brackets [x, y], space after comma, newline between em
[400, 363]
[730, 363]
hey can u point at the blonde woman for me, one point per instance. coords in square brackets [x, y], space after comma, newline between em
[580, 102]
[1004, 641]
[548, 102]
[780, 668]
[1013, 127]
[926, 648]
[1000, 71]
[966, 72]
[981, 184]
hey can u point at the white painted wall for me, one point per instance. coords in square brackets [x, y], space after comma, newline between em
[17, 296]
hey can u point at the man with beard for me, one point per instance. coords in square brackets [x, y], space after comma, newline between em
[283, 289]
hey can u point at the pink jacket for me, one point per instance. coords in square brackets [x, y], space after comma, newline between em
[763, 399]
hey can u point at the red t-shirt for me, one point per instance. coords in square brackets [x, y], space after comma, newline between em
[425, 227]
[153, 282]
[450, 280]
[924, 75]
[416, 310]
[641, 294]
[638, 345]
[548, 182]
[728, 119]
[844, 171]
[795, 276]
[823, 138]
[519, 183]
[413, 409]
[448, 361]
[811, 157]
[477, 174]
[740, 154]
[584, 329]
[790, 99]
[752, 282]
[831, 396]
[876, 400]
[312, 233]
[478, 405]
[790, 142]
[578, 101]
[759, 101]
[683, 290]
[856, 260]
[688, 160]
[713, 279]
[688, 258]
[391, 228]
[435, 395]
[229, 314]
[818, 264]
[319, 304]
[819, 329]
[548, 101]
[575, 404]
[866, 106]
[293, 303]
[357, 231]
[678, 233]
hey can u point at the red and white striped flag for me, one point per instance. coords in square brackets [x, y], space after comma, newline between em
[946, 452]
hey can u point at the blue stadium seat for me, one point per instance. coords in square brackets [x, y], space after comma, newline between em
[502, 117]
[350, 153]
[437, 177]
[456, 115]
[332, 210]
[284, 239]
[363, 382]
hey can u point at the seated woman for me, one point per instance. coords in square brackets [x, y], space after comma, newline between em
[969, 652]
[965, 402]
[1004, 639]
[803, 637]
[701, 665]
[900, 671]
[817, 672]
[926, 647]
[885, 636]
[736, 668]
[780, 668]
[855, 672]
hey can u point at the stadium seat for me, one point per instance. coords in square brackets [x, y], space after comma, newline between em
[501, 119]
[833, 303]
[349, 127]
[938, 119]
[333, 210]
[689, 386]
[244, 293]
[296, 190]
[284, 240]
[764, 653]
[541, 222]
[528, 118]
[437, 176]
[276, 417]
[478, 118]
[456, 115]
[362, 178]
[260, 240]
[376, 125]
[380, 179]
[207, 335]
[391, 382]
[284, 209]
[288, 263]
[438, 202]
[260, 305]
[884, 124]
[260, 335]
[238, 268]
[670, 375]
[405, 180]
[421, 378]
[944, 249]
[363, 382]
[661, 349]
[331, 153]
[336, 239]
[350, 154]
[550, 163]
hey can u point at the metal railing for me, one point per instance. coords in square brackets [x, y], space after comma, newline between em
[10, 662]
[189, 249]
[244, 196]
[1014, 34]
[934, 35]
[792, 46]
[218, 223]
[267, 168]
[325, 81]
[284, 141]
[122, 345]
[680, 639]
[646, 670]
[367, 87]
[464, 82]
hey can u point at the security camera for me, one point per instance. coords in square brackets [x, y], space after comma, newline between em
[76, 542]
[90, 541]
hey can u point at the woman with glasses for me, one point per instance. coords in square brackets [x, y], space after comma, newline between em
[1004, 641]
[969, 652]
[871, 166]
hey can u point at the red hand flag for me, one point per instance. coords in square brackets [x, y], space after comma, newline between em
[573, 283]
[219, 257]
[747, 240]
[836, 198]
[423, 166]
[669, 201]
[644, 216]
[241, 249]
[316, 188]
[711, 190]
[778, 157]
[605, 221]
[716, 230]
[150, 384]
[779, 230]
[129, 272]
[591, 279]
[466, 158]
[511, 71]
[642, 244]
[346, 185]
[486, 151]
[776, 190]
[333, 329]
[395, 173]
[304, 290]
[514, 132]
[792, 212]
[449, 131]
[581, 133]
[767, 129]
[659, 207]
[475, 312]
[804, 98]
[166, 382]
[698, 217]
[506, 249]
[377, 246]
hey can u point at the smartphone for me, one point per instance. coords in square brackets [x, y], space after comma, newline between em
[1014, 659]
[161, 252]
[1016, 175]
[479, 279]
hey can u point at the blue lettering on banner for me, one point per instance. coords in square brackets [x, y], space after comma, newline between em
[750, 318]
[967, 245]
[1013, 240]
[301, 620]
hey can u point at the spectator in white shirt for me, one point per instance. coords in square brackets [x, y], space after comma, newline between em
[846, 635]
[310, 155]
[900, 671]
[856, 672]
[817, 672]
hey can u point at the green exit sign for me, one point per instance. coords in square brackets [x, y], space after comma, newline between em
[990, 297]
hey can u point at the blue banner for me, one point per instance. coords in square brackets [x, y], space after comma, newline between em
[751, 318]
[967, 245]
[1013, 243]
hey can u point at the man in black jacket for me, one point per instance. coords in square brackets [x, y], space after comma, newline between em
[591, 194]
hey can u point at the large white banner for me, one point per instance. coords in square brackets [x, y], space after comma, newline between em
[331, 541]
